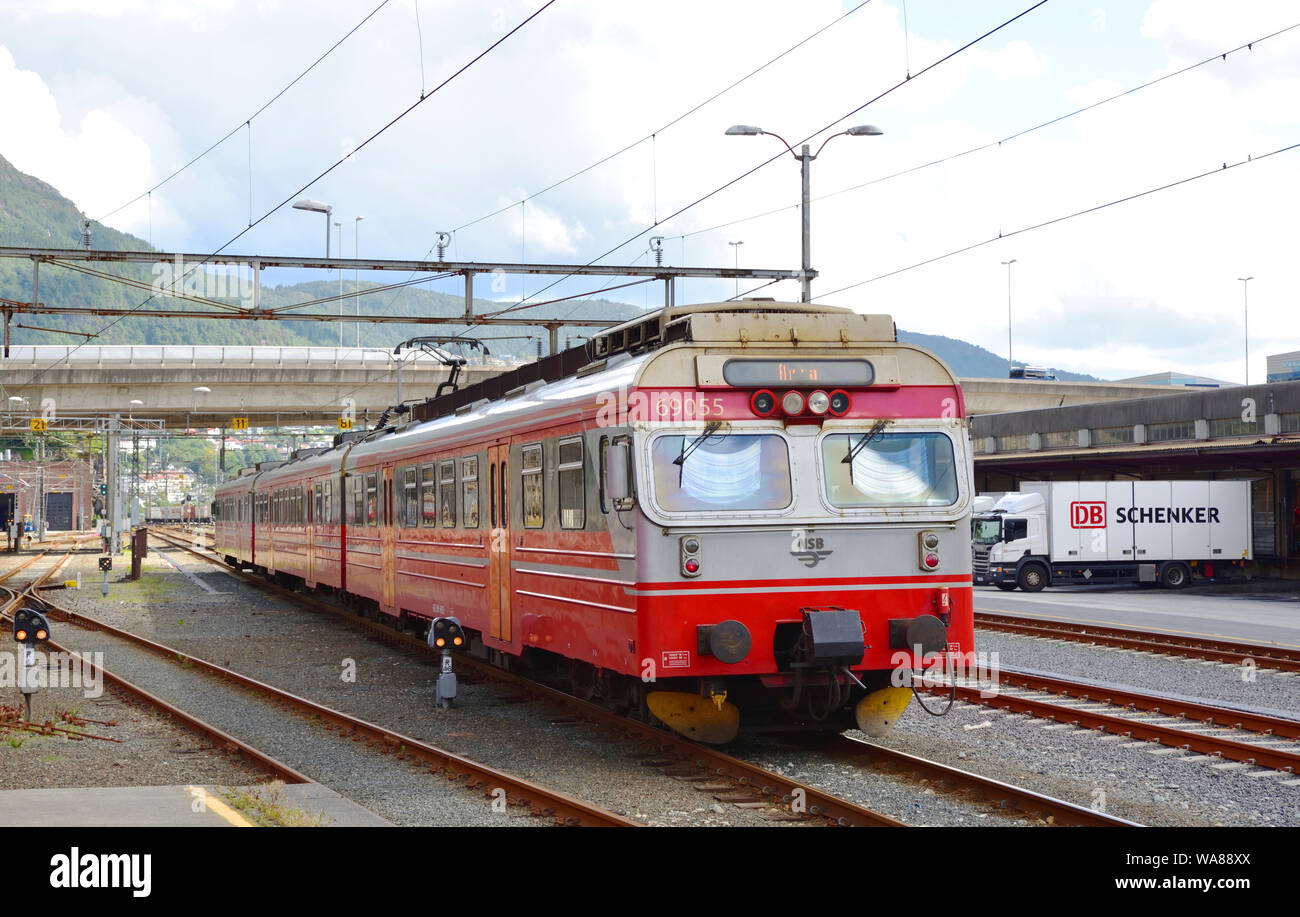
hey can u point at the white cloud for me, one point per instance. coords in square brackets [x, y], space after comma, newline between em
[97, 163]
[588, 77]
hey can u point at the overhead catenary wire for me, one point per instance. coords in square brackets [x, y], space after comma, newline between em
[650, 137]
[781, 154]
[1219, 56]
[1225, 167]
[247, 121]
[464, 67]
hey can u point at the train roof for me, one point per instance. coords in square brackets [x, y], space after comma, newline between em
[611, 360]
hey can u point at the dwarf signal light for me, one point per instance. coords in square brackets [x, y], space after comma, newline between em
[30, 626]
[446, 631]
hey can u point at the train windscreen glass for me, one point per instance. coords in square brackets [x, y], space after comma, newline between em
[723, 472]
[891, 469]
[798, 372]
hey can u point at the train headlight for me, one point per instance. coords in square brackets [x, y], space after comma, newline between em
[792, 403]
[763, 403]
[689, 549]
[819, 402]
[840, 402]
[929, 550]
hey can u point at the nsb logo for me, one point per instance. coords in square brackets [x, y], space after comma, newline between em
[1087, 515]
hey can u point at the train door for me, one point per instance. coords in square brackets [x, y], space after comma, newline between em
[387, 542]
[499, 619]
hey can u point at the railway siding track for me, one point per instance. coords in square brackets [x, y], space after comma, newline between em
[518, 792]
[1145, 718]
[730, 779]
[1227, 651]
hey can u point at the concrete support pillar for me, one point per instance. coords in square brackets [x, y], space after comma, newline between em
[113, 481]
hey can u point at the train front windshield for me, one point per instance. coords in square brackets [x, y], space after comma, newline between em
[724, 471]
[889, 469]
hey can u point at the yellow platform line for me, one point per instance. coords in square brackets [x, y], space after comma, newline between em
[220, 808]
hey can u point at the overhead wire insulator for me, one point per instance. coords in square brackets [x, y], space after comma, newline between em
[444, 239]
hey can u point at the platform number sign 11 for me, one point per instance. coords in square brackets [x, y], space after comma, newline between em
[239, 423]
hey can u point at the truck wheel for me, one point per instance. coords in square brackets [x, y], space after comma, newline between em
[1032, 578]
[1175, 576]
[1006, 587]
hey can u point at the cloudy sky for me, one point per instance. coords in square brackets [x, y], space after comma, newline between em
[106, 98]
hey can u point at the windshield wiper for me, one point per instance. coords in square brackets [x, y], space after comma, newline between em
[709, 429]
[876, 429]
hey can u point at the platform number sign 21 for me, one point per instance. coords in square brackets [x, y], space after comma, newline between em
[39, 424]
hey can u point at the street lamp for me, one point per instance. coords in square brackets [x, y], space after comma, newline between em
[356, 288]
[735, 246]
[804, 157]
[1245, 316]
[1011, 367]
[318, 207]
[199, 390]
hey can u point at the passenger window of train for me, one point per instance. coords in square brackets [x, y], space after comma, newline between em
[723, 471]
[327, 505]
[447, 493]
[573, 487]
[891, 469]
[317, 492]
[469, 491]
[412, 501]
[531, 468]
[428, 497]
[372, 499]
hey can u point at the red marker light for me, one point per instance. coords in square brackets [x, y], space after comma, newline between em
[692, 566]
[762, 403]
[840, 402]
[931, 561]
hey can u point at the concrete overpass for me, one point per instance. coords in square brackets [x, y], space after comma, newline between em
[300, 386]
[271, 386]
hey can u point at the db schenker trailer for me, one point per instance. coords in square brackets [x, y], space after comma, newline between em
[1078, 532]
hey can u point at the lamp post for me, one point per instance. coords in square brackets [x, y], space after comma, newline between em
[356, 287]
[805, 158]
[735, 246]
[135, 461]
[1245, 319]
[317, 207]
[339, 227]
[1010, 365]
[199, 390]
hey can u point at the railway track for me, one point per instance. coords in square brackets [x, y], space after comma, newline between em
[518, 792]
[28, 593]
[730, 779]
[1264, 656]
[1222, 732]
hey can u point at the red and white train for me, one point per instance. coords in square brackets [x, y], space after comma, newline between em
[741, 515]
